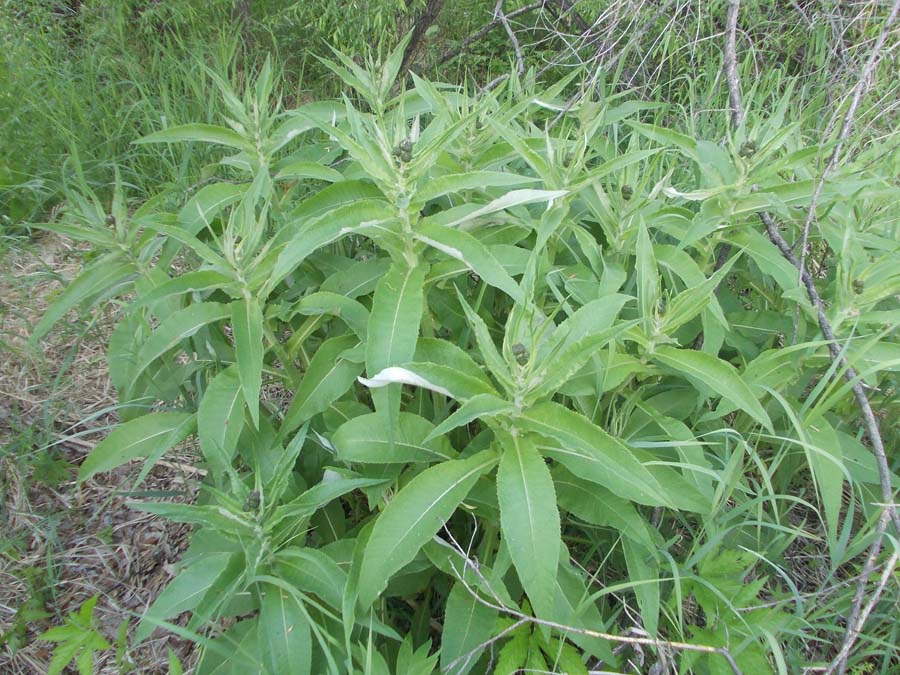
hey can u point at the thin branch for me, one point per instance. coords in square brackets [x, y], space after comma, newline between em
[469, 655]
[488, 27]
[731, 74]
[520, 60]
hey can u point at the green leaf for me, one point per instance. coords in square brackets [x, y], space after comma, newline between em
[184, 237]
[643, 570]
[312, 170]
[648, 277]
[353, 313]
[464, 247]
[479, 406]
[312, 571]
[316, 497]
[203, 133]
[247, 326]
[529, 518]
[146, 436]
[300, 121]
[413, 517]
[284, 631]
[364, 439]
[718, 375]
[324, 229]
[220, 419]
[467, 624]
[598, 506]
[327, 378]
[509, 200]
[184, 592]
[591, 453]
[395, 317]
[179, 326]
[204, 206]
[191, 282]
[432, 188]
[236, 652]
[686, 144]
[102, 275]
[489, 352]
[826, 462]
[358, 279]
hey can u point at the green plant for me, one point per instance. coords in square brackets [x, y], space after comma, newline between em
[495, 410]
[77, 640]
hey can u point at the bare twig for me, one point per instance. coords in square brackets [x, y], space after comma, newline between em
[520, 60]
[731, 74]
[488, 27]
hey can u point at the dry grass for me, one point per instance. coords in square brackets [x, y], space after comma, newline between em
[59, 542]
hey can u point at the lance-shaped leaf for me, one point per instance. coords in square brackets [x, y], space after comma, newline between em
[300, 121]
[718, 375]
[364, 439]
[467, 249]
[146, 436]
[413, 517]
[191, 282]
[468, 623]
[432, 188]
[247, 327]
[284, 632]
[598, 506]
[316, 497]
[529, 518]
[208, 203]
[591, 453]
[312, 571]
[324, 229]
[489, 352]
[220, 419]
[358, 279]
[352, 312]
[690, 302]
[395, 317]
[647, 276]
[327, 378]
[509, 200]
[184, 592]
[203, 133]
[103, 275]
[480, 406]
[184, 237]
[313, 170]
[643, 571]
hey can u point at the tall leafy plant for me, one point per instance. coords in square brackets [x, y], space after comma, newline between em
[438, 359]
